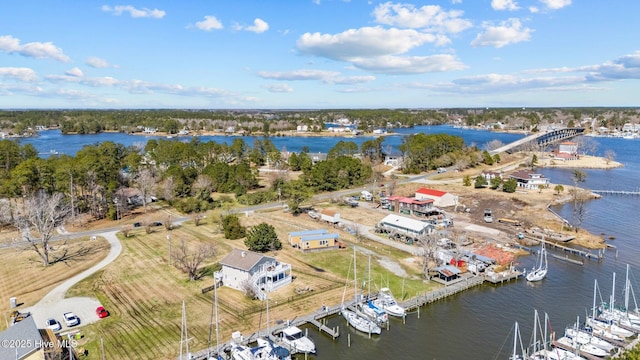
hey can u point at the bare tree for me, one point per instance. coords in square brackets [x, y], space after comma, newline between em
[586, 145]
[579, 198]
[146, 183]
[202, 187]
[168, 187]
[493, 144]
[42, 213]
[609, 156]
[248, 289]
[188, 259]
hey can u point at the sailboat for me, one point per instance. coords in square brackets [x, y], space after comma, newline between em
[609, 313]
[516, 337]
[605, 328]
[539, 271]
[215, 306]
[583, 338]
[355, 319]
[369, 309]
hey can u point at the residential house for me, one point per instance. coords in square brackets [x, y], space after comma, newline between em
[242, 268]
[529, 179]
[440, 198]
[393, 158]
[302, 128]
[313, 240]
[317, 157]
[490, 175]
[412, 206]
[295, 236]
[24, 341]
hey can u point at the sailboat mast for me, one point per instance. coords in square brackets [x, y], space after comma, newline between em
[626, 290]
[515, 342]
[593, 309]
[613, 292]
[215, 295]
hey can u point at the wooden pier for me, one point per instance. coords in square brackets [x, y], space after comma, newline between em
[442, 293]
[585, 254]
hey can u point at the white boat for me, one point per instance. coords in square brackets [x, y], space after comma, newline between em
[571, 344]
[606, 327]
[293, 337]
[371, 311]
[555, 354]
[265, 350]
[583, 338]
[539, 271]
[358, 321]
[387, 301]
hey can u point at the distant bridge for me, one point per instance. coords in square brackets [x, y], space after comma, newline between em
[540, 139]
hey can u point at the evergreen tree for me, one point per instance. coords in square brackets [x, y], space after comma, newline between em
[262, 238]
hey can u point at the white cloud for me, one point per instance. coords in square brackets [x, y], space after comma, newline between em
[36, 50]
[134, 12]
[22, 74]
[510, 5]
[376, 49]
[556, 4]
[363, 42]
[410, 64]
[534, 9]
[259, 26]
[74, 72]
[350, 80]
[508, 32]
[209, 23]
[96, 62]
[430, 18]
[298, 75]
[456, 1]
[624, 67]
[278, 88]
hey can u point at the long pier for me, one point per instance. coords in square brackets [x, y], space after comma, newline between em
[616, 192]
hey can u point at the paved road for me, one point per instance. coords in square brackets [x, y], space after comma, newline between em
[54, 304]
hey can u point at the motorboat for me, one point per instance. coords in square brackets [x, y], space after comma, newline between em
[539, 271]
[387, 301]
[293, 337]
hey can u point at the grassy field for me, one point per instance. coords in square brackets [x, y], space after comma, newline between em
[144, 293]
[23, 276]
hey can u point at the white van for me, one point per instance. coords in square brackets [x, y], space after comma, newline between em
[366, 195]
[441, 170]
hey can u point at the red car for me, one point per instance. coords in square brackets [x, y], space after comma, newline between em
[101, 312]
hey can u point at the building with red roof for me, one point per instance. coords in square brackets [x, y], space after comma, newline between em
[440, 198]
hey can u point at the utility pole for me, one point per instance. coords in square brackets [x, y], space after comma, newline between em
[169, 241]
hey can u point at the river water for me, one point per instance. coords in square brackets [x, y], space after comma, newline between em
[478, 323]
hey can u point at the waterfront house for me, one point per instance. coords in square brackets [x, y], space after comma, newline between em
[529, 179]
[440, 198]
[567, 150]
[242, 268]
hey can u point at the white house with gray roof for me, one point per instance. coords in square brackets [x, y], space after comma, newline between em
[262, 272]
[22, 341]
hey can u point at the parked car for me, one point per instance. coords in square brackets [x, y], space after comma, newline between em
[54, 325]
[71, 319]
[102, 312]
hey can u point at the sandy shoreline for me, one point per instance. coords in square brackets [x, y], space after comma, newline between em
[584, 162]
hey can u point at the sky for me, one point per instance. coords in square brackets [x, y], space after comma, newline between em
[318, 54]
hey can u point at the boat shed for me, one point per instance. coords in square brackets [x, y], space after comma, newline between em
[447, 273]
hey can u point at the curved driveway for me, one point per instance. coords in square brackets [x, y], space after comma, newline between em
[53, 305]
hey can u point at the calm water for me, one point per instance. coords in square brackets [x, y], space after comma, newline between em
[70, 144]
[478, 323]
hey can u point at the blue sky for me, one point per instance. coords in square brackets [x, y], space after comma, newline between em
[318, 54]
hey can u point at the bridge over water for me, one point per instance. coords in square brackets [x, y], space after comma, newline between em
[540, 139]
